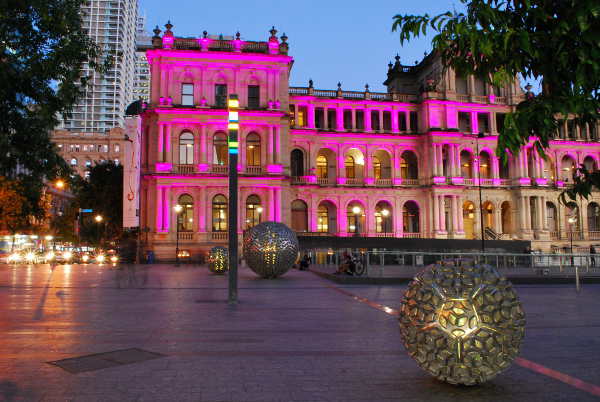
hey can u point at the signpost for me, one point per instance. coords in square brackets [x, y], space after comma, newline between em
[233, 126]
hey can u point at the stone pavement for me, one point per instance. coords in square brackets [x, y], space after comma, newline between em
[299, 338]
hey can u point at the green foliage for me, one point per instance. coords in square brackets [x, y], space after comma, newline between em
[43, 48]
[12, 202]
[102, 192]
[557, 42]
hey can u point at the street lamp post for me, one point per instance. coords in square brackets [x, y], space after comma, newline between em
[571, 221]
[99, 219]
[356, 211]
[385, 213]
[233, 126]
[178, 208]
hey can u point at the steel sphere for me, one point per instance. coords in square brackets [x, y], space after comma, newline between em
[463, 323]
[218, 260]
[270, 249]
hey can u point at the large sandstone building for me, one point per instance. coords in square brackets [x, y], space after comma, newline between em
[407, 163]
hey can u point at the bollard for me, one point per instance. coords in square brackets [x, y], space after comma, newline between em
[577, 285]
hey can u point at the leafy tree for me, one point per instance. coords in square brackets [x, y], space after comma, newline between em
[11, 206]
[102, 192]
[43, 48]
[555, 41]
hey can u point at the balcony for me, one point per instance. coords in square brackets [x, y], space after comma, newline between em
[219, 169]
[593, 235]
[410, 182]
[410, 235]
[185, 169]
[254, 170]
[325, 181]
[185, 235]
[486, 182]
[386, 234]
[219, 235]
[383, 182]
[356, 182]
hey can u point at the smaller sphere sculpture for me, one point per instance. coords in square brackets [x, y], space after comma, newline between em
[270, 249]
[462, 322]
[218, 260]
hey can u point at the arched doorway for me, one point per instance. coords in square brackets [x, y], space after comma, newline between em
[506, 215]
[410, 218]
[297, 163]
[185, 218]
[488, 215]
[355, 213]
[326, 217]
[383, 217]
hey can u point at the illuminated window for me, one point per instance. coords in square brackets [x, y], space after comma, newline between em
[219, 213]
[220, 156]
[253, 150]
[74, 162]
[221, 95]
[299, 216]
[383, 217]
[253, 211]
[323, 219]
[253, 96]
[185, 219]
[322, 166]
[350, 167]
[376, 168]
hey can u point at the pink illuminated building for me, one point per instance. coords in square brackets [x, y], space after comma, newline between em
[406, 163]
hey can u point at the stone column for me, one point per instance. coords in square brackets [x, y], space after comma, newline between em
[161, 142]
[168, 141]
[353, 111]
[203, 150]
[339, 118]
[368, 173]
[435, 160]
[394, 114]
[325, 118]
[474, 123]
[440, 160]
[381, 130]
[311, 115]
[398, 218]
[201, 201]
[452, 160]
[312, 214]
[442, 213]
[342, 220]
[544, 215]
[461, 221]
[455, 213]
[278, 205]
[436, 213]
[492, 120]
[367, 119]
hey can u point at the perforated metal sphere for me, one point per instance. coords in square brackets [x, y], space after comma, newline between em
[270, 249]
[462, 323]
[218, 260]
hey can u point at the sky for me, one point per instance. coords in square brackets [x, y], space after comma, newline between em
[331, 41]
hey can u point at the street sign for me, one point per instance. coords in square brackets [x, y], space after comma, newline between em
[86, 210]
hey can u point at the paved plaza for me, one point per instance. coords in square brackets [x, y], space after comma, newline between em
[298, 338]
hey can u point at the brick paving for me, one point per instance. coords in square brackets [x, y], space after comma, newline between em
[292, 339]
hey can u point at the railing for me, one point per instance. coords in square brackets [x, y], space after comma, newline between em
[505, 182]
[254, 169]
[255, 47]
[186, 169]
[220, 169]
[410, 235]
[593, 235]
[383, 182]
[325, 181]
[355, 182]
[575, 235]
[222, 45]
[500, 100]
[463, 98]
[554, 235]
[410, 182]
[491, 234]
[468, 182]
[385, 234]
[322, 234]
[355, 95]
[185, 235]
[486, 182]
[299, 180]
[219, 235]
[186, 43]
[480, 98]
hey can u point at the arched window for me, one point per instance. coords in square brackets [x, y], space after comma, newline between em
[410, 217]
[356, 218]
[253, 150]
[504, 169]
[383, 217]
[488, 215]
[466, 164]
[590, 164]
[186, 148]
[552, 219]
[299, 216]
[409, 167]
[185, 219]
[572, 217]
[593, 213]
[350, 167]
[469, 219]
[297, 163]
[485, 168]
[323, 218]
[253, 211]
[322, 167]
[568, 168]
[376, 168]
[506, 215]
[220, 156]
[73, 161]
[219, 213]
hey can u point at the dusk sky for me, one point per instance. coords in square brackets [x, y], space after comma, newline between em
[331, 40]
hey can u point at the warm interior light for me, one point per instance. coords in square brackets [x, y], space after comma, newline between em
[48, 238]
[233, 103]
[259, 210]
[67, 255]
[385, 212]
[50, 256]
[178, 208]
[356, 209]
[98, 218]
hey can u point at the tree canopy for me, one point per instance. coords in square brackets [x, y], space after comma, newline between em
[43, 48]
[554, 41]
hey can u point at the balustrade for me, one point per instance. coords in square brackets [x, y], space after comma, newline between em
[185, 169]
[219, 235]
[383, 182]
[220, 169]
[254, 169]
[185, 235]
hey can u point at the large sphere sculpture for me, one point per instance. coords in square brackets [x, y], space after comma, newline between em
[218, 260]
[270, 249]
[462, 322]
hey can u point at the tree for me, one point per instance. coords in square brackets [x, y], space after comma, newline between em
[102, 192]
[555, 41]
[43, 48]
[11, 206]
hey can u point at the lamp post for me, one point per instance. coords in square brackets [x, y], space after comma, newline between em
[571, 221]
[99, 219]
[233, 126]
[480, 135]
[178, 208]
[385, 213]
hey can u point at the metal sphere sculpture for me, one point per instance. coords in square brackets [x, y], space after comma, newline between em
[270, 249]
[218, 260]
[462, 322]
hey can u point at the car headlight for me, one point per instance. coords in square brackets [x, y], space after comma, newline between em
[14, 257]
[30, 257]
[50, 256]
[67, 255]
[85, 258]
[114, 258]
[100, 258]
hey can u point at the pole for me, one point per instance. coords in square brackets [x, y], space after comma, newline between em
[233, 126]
[480, 197]
[177, 242]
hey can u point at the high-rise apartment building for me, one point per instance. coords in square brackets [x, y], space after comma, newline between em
[143, 42]
[112, 25]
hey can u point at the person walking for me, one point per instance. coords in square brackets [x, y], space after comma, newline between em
[592, 255]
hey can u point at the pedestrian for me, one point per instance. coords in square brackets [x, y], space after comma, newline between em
[305, 263]
[592, 255]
